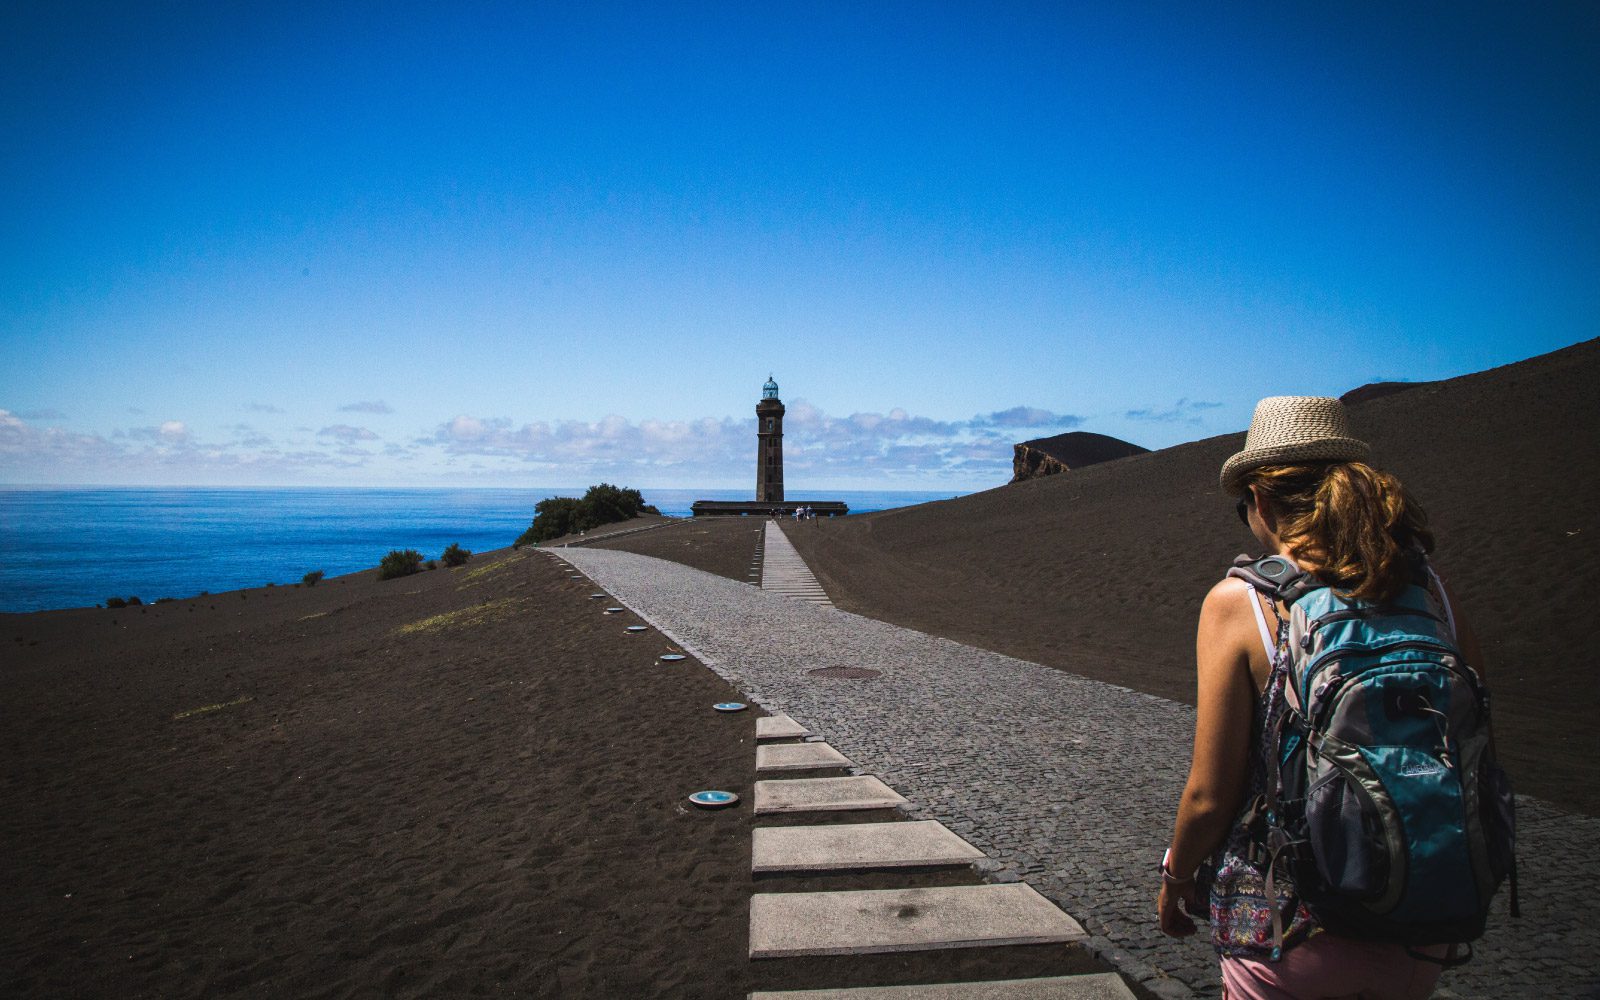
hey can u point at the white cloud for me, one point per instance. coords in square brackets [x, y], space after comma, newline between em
[1185, 411]
[465, 428]
[347, 434]
[892, 446]
[369, 406]
[892, 443]
[168, 452]
[1030, 416]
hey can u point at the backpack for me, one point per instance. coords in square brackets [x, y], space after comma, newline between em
[1384, 799]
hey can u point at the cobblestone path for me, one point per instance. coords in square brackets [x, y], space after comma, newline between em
[1066, 783]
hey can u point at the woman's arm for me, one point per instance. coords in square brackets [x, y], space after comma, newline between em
[1223, 708]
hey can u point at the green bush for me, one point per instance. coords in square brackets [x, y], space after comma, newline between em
[116, 602]
[602, 504]
[455, 555]
[312, 578]
[552, 518]
[134, 602]
[400, 562]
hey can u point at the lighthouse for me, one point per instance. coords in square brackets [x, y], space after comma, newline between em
[769, 501]
[769, 444]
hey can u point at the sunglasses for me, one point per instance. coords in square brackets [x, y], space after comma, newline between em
[1242, 508]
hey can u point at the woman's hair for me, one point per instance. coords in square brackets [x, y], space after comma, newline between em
[1351, 522]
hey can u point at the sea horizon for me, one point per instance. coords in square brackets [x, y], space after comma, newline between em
[77, 546]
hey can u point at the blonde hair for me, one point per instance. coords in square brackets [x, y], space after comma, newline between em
[1351, 523]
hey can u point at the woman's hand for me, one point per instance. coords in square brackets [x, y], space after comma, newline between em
[1175, 900]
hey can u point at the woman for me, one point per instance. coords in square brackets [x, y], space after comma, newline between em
[1306, 493]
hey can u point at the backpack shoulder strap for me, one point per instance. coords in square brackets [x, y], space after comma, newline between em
[1444, 600]
[1275, 576]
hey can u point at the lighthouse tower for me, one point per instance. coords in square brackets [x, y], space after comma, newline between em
[769, 450]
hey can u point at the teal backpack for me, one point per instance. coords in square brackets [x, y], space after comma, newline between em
[1384, 800]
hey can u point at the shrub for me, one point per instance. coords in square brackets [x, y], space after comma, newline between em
[602, 504]
[116, 602]
[134, 602]
[552, 518]
[312, 578]
[400, 562]
[455, 555]
[430, 564]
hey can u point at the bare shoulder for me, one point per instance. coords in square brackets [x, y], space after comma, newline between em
[1227, 625]
[1225, 603]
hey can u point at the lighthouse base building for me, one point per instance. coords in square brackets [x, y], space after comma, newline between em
[769, 470]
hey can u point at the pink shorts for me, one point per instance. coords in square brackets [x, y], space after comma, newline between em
[1325, 967]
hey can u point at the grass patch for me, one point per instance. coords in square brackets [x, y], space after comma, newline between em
[478, 614]
[219, 706]
[483, 573]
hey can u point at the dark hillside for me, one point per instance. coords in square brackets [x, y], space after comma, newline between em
[1101, 570]
[1051, 456]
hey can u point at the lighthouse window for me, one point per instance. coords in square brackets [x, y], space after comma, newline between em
[770, 422]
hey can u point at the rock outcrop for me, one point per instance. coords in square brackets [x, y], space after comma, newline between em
[1073, 450]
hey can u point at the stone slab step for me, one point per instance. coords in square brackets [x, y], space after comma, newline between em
[872, 921]
[784, 572]
[1093, 986]
[778, 727]
[858, 845]
[825, 795]
[799, 757]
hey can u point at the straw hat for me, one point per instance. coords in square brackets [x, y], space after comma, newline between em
[1293, 429]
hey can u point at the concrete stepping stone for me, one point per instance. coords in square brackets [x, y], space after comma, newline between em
[1090, 986]
[778, 727]
[799, 757]
[872, 921]
[858, 845]
[825, 795]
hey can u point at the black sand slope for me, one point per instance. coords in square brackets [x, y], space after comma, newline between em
[1101, 570]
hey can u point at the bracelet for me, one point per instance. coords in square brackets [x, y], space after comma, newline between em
[1166, 873]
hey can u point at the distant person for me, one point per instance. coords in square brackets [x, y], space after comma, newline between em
[1341, 638]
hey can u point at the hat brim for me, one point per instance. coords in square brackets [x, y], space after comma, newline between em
[1337, 449]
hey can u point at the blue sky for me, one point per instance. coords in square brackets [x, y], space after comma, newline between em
[545, 245]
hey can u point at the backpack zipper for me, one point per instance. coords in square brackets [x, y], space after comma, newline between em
[1350, 614]
[1323, 694]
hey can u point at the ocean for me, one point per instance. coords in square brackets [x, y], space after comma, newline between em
[66, 548]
